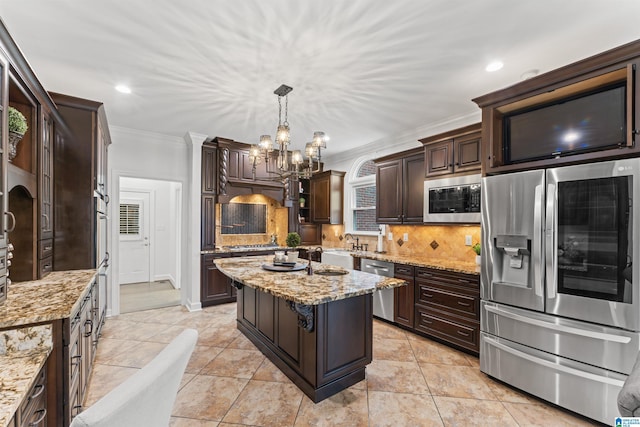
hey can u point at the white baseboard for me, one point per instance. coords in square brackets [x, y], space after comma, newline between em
[193, 306]
[168, 277]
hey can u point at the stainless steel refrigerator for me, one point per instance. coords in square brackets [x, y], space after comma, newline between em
[560, 311]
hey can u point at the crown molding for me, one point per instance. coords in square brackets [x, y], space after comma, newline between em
[403, 141]
[124, 133]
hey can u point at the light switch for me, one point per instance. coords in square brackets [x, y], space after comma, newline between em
[405, 237]
[467, 240]
[390, 236]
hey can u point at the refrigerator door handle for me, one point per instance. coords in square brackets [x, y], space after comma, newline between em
[550, 241]
[537, 242]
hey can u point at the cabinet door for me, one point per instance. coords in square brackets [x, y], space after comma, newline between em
[209, 163]
[439, 158]
[310, 234]
[45, 195]
[320, 200]
[208, 223]
[467, 152]
[215, 287]
[403, 303]
[413, 189]
[389, 192]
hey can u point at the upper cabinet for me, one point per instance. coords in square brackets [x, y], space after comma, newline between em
[583, 112]
[453, 152]
[400, 188]
[327, 193]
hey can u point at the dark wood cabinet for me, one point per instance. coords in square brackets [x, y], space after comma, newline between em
[325, 358]
[327, 193]
[80, 180]
[33, 410]
[209, 188]
[215, 287]
[403, 298]
[447, 307]
[453, 152]
[310, 234]
[400, 188]
[615, 67]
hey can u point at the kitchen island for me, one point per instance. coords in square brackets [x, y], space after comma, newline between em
[317, 329]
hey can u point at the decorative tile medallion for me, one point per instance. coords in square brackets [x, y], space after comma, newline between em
[434, 245]
[400, 242]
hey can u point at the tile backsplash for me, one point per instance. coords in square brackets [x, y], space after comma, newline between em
[436, 241]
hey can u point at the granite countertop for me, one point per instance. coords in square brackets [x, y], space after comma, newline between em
[242, 248]
[23, 353]
[298, 286]
[418, 261]
[55, 297]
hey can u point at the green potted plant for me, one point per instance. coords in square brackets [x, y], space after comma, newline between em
[302, 201]
[17, 128]
[293, 240]
[476, 248]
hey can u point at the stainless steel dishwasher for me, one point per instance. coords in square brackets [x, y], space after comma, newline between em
[382, 299]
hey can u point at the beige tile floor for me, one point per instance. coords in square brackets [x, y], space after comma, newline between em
[412, 381]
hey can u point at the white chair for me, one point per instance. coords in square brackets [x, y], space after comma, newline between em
[147, 397]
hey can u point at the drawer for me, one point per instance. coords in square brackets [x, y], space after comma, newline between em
[75, 351]
[446, 300]
[3, 288]
[3, 262]
[468, 281]
[33, 409]
[45, 248]
[75, 401]
[403, 271]
[465, 334]
[45, 266]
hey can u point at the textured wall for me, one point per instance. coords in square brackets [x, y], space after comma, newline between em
[450, 240]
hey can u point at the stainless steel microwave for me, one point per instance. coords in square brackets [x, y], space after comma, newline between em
[454, 199]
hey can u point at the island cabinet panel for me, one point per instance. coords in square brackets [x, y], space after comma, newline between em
[322, 348]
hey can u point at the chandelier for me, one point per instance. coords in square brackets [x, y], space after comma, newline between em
[281, 162]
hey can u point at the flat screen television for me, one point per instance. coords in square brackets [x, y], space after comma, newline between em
[588, 122]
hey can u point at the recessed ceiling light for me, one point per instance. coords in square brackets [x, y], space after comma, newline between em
[494, 66]
[123, 89]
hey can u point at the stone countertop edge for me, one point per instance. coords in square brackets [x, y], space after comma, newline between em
[19, 371]
[54, 297]
[299, 287]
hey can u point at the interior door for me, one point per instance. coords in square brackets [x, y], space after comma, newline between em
[134, 237]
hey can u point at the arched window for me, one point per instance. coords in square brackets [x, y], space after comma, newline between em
[362, 200]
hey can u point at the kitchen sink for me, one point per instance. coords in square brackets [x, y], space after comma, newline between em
[331, 272]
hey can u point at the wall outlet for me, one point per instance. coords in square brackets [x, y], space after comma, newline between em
[405, 237]
[467, 240]
[390, 236]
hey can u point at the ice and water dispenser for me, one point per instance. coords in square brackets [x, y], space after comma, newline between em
[512, 259]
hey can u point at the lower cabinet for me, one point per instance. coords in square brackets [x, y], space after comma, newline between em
[403, 298]
[79, 351]
[33, 410]
[447, 307]
[215, 287]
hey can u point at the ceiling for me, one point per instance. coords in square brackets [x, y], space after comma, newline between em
[361, 70]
